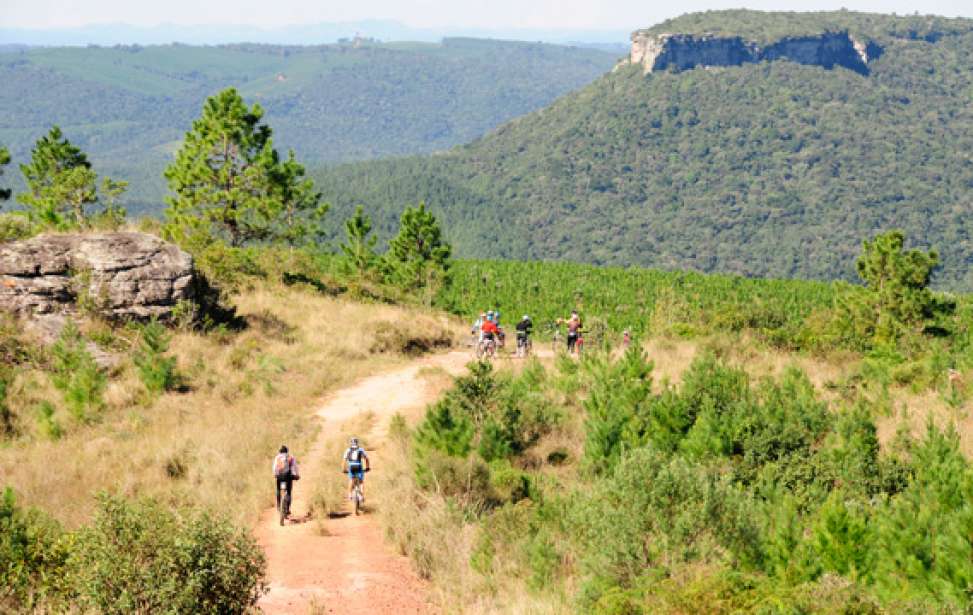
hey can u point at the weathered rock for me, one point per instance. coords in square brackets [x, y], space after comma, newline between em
[658, 52]
[119, 275]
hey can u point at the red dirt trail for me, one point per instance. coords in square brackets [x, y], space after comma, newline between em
[352, 569]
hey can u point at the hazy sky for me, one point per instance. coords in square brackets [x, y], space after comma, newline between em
[546, 14]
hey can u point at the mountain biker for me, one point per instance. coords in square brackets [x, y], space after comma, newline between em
[489, 331]
[626, 338]
[479, 322]
[524, 328]
[574, 330]
[285, 471]
[355, 462]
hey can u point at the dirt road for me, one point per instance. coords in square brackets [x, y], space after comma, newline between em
[350, 570]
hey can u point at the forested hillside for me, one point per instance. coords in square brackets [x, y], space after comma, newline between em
[770, 169]
[129, 106]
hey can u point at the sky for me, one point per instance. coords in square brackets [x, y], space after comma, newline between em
[505, 14]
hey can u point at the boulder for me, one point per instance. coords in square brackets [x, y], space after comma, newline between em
[119, 275]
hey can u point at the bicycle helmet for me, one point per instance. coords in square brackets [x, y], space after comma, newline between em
[283, 448]
[526, 317]
[353, 443]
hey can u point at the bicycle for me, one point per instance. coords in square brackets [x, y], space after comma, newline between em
[489, 349]
[524, 346]
[356, 495]
[283, 501]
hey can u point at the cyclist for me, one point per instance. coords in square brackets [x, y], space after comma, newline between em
[574, 331]
[355, 462]
[524, 328]
[477, 324]
[285, 472]
[626, 339]
[489, 331]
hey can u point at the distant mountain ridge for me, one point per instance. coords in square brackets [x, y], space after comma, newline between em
[772, 168]
[303, 34]
[129, 106]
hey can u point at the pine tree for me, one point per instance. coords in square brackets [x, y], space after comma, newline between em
[418, 257]
[156, 370]
[359, 248]
[898, 299]
[230, 185]
[60, 182]
[4, 161]
[113, 214]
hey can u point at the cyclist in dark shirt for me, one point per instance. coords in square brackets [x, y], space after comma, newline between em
[524, 328]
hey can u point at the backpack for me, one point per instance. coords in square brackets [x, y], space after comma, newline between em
[282, 465]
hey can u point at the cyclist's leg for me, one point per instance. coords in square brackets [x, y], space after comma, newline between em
[277, 490]
[289, 485]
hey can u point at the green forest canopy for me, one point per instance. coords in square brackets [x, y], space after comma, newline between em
[129, 106]
[772, 169]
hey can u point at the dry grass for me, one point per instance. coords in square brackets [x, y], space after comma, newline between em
[247, 393]
[330, 494]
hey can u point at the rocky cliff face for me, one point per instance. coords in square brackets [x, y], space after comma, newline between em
[121, 275]
[683, 52]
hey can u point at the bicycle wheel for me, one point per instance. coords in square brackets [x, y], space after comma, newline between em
[357, 496]
[284, 507]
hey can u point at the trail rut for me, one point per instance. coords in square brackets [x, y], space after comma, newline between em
[351, 568]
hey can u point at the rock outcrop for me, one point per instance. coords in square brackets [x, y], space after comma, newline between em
[659, 52]
[119, 275]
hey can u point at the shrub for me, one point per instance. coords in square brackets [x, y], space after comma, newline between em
[77, 375]
[616, 400]
[14, 227]
[156, 371]
[446, 429]
[925, 535]
[8, 426]
[414, 338]
[143, 557]
[46, 422]
[31, 556]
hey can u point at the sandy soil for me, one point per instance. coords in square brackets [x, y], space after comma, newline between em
[351, 569]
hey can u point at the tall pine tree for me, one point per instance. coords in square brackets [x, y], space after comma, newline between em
[61, 185]
[359, 247]
[230, 184]
[418, 257]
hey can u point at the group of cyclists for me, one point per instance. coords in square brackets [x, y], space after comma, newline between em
[354, 463]
[488, 334]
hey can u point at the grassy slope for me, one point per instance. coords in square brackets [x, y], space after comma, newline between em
[773, 169]
[247, 393]
[129, 106]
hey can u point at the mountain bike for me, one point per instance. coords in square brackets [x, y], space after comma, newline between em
[524, 345]
[356, 495]
[283, 501]
[489, 349]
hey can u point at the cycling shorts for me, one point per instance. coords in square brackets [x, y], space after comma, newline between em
[356, 471]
